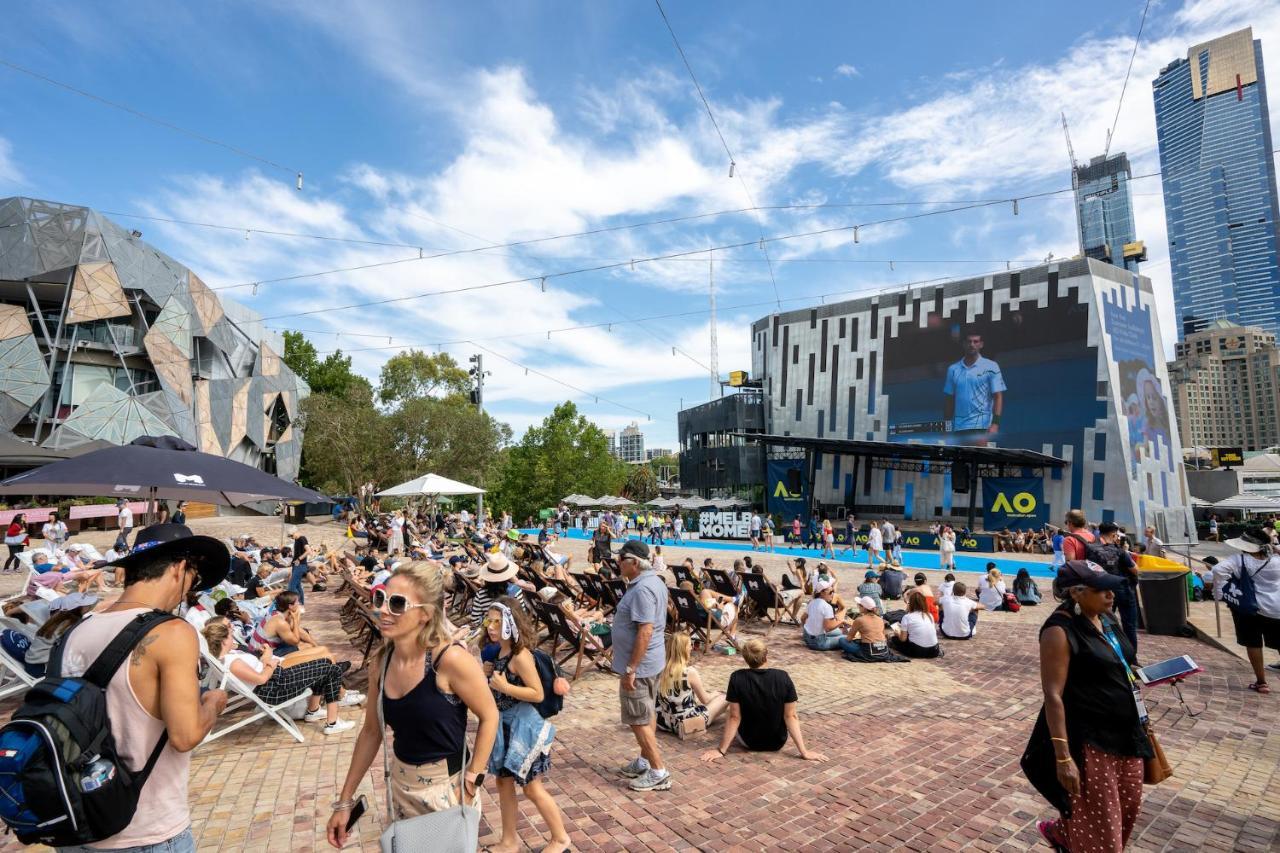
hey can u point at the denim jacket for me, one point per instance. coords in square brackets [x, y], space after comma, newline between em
[523, 736]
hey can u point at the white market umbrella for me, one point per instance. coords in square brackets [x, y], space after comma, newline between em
[430, 484]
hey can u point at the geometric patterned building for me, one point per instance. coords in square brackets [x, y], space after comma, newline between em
[104, 337]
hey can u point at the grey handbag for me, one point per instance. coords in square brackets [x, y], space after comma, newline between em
[455, 830]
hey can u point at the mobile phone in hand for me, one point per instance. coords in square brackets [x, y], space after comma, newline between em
[357, 811]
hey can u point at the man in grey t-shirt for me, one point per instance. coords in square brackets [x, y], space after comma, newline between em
[639, 625]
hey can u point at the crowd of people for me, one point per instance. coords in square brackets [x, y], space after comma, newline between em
[461, 605]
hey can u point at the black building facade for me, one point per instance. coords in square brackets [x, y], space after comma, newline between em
[714, 462]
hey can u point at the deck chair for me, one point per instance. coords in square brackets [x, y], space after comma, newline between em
[723, 583]
[242, 697]
[614, 589]
[684, 575]
[559, 630]
[14, 677]
[689, 613]
[766, 597]
[591, 594]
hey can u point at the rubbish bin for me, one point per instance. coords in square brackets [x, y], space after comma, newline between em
[295, 513]
[1164, 601]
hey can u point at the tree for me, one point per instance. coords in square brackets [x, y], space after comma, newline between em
[333, 375]
[416, 374]
[345, 440]
[566, 453]
[446, 436]
[642, 485]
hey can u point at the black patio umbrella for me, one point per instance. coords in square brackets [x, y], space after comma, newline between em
[152, 467]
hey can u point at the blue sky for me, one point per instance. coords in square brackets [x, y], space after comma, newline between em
[463, 125]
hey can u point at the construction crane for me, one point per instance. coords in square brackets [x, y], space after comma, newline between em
[1075, 181]
[1070, 151]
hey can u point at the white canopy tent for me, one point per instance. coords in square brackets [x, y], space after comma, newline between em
[430, 485]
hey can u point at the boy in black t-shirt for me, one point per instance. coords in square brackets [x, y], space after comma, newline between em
[762, 708]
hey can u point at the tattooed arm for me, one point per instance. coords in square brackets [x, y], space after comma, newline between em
[162, 671]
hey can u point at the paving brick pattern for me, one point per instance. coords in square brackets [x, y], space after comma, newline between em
[921, 757]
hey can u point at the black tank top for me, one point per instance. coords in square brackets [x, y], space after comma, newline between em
[428, 725]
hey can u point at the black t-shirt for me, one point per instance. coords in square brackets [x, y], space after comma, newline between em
[369, 562]
[761, 695]
[299, 549]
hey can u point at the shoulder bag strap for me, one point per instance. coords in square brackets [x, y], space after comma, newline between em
[388, 650]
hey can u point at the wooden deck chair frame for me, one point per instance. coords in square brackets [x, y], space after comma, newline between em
[762, 591]
[14, 677]
[241, 696]
[559, 629]
[590, 594]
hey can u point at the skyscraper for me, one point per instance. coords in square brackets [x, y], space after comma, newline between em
[1104, 211]
[1219, 177]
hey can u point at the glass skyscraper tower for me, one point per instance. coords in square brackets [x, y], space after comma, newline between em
[1219, 180]
[1104, 211]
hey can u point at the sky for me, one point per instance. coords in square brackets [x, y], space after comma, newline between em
[424, 129]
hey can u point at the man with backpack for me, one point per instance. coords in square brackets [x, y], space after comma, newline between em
[1116, 559]
[143, 661]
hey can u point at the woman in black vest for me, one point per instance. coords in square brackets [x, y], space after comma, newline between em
[1087, 749]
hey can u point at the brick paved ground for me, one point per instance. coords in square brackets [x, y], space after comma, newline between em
[922, 756]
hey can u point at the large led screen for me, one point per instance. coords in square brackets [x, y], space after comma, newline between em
[1024, 380]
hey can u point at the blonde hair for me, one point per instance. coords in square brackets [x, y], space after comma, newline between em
[678, 649]
[993, 576]
[429, 586]
[215, 634]
[754, 652]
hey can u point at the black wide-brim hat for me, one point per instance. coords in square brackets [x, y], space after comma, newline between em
[207, 555]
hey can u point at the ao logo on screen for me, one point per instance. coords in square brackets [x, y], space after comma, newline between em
[1023, 503]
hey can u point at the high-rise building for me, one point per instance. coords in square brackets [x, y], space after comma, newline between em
[1219, 177]
[1226, 382]
[631, 444]
[657, 453]
[1104, 212]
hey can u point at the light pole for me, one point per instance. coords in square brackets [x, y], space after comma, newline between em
[477, 397]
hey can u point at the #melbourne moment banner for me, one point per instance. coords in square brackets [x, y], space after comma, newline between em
[1013, 503]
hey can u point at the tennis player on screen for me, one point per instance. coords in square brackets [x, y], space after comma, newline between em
[975, 391]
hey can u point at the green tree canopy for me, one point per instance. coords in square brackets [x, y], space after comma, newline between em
[446, 436]
[332, 375]
[566, 453]
[641, 485]
[344, 441]
[416, 374]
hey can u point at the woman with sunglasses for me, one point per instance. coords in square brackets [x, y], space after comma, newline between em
[522, 751]
[427, 686]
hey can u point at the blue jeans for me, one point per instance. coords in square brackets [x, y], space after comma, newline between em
[183, 842]
[295, 581]
[833, 639]
[1126, 607]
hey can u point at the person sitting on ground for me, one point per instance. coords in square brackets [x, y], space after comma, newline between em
[923, 590]
[822, 623]
[797, 577]
[762, 708]
[64, 612]
[944, 588]
[1025, 589]
[959, 613]
[684, 705]
[274, 682]
[991, 589]
[864, 638]
[916, 636]
[870, 588]
[892, 582]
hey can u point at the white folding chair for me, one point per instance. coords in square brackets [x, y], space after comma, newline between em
[24, 561]
[241, 696]
[276, 580]
[14, 677]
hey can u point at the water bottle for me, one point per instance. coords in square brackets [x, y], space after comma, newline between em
[96, 774]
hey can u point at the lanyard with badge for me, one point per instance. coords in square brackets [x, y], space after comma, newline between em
[1110, 637]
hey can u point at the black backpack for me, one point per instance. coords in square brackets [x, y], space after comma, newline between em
[548, 672]
[1105, 555]
[62, 782]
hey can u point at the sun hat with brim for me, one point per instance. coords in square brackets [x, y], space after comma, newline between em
[1090, 574]
[207, 555]
[866, 602]
[498, 570]
[513, 535]
[821, 586]
[1251, 540]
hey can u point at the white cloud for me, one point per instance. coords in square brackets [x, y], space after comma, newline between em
[9, 172]
[844, 69]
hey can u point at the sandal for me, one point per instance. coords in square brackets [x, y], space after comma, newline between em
[1260, 687]
[1050, 835]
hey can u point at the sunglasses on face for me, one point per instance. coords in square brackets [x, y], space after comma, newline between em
[396, 604]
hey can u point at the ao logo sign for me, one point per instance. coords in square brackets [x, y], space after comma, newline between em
[1023, 503]
[724, 525]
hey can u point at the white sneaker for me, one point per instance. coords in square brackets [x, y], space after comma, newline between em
[315, 716]
[351, 699]
[339, 727]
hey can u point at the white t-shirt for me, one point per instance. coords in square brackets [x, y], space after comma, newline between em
[251, 660]
[944, 589]
[816, 614]
[875, 539]
[920, 629]
[991, 597]
[126, 517]
[955, 615]
[755, 524]
[198, 616]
